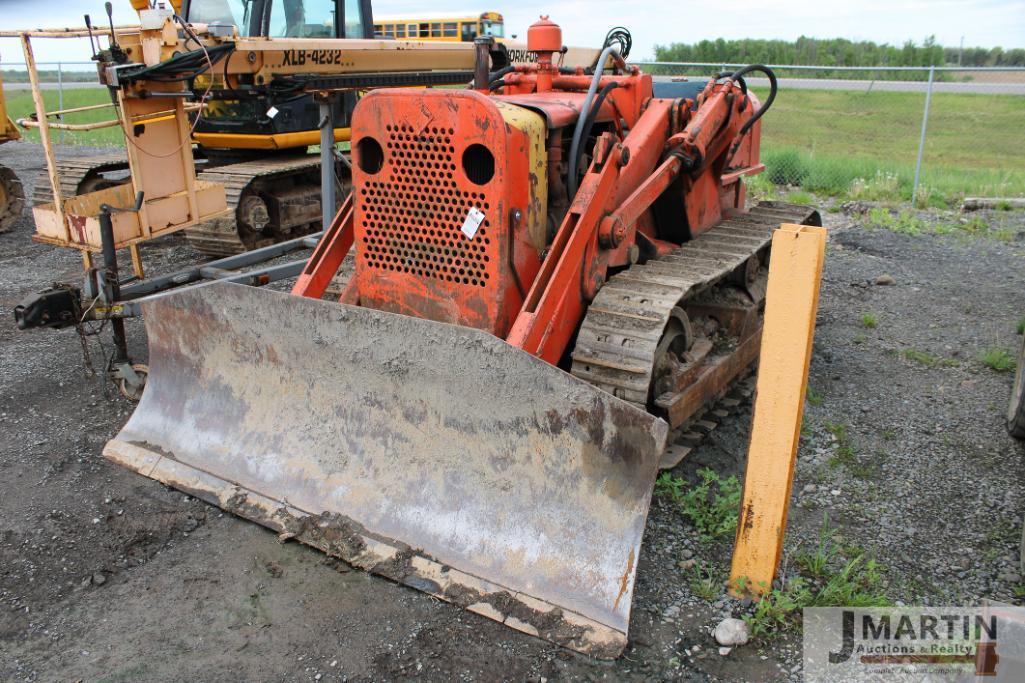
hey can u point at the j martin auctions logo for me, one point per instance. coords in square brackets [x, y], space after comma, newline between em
[931, 639]
[914, 643]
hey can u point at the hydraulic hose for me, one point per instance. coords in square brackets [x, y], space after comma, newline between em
[592, 114]
[740, 80]
[773, 87]
[496, 76]
[578, 131]
[621, 37]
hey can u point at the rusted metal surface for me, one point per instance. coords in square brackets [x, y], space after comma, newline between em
[12, 198]
[448, 185]
[435, 455]
[714, 380]
[323, 266]
[560, 109]
[12, 194]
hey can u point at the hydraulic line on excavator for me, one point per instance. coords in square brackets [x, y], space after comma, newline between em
[552, 274]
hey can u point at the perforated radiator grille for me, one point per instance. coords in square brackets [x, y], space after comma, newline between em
[412, 214]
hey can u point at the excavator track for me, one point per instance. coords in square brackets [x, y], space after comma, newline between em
[12, 198]
[79, 176]
[221, 237]
[224, 236]
[619, 344]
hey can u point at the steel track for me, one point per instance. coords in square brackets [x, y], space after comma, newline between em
[221, 236]
[73, 171]
[617, 343]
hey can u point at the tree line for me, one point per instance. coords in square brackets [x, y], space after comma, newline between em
[837, 52]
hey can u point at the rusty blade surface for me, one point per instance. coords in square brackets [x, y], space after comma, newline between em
[435, 455]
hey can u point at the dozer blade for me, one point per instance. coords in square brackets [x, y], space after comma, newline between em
[435, 455]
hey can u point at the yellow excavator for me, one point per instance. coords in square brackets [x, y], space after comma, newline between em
[254, 138]
[12, 196]
[251, 137]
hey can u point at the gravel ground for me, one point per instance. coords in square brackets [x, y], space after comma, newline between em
[105, 575]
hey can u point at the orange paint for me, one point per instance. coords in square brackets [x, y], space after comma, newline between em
[415, 151]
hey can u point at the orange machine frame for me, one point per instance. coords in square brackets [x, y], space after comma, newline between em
[686, 151]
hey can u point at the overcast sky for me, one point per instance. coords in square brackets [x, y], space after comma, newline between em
[981, 22]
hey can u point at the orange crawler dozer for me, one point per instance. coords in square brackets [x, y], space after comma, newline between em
[553, 270]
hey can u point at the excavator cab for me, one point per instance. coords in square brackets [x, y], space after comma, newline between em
[255, 138]
[261, 123]
[285, 18]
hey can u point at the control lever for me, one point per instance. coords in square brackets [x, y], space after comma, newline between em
[95, 48]
[116, 53]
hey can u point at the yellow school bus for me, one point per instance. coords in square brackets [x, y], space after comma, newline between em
[447, 27]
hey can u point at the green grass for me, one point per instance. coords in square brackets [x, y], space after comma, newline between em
[19, 105]
[845, 454]
[926, 359]
[998, 359]
[712, 505]
[844, 143]
[801, 197]
[816, 562]
[837, 143]
[920, 357]
[50, 75]
[814, 397]
[903, 222]
[1021, 326]
[856, 583]
[869, 320]
[974, 227]
[828, 576]
[707, 584]
[761, 187]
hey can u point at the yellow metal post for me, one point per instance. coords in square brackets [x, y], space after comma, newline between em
[140, 272]
[44, 129]
[791, 302]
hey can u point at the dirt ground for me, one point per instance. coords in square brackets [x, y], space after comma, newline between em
[108, 576]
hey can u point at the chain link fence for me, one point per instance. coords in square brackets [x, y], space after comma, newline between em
[65, 85]
[935, 134]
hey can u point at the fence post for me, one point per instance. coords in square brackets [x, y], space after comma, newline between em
[60, 95]
[921, 141]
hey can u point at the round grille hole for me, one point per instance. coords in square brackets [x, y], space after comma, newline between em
[370, 155]
[478, 164]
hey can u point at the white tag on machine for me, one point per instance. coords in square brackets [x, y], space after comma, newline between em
[474, 217]
[272, 112]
